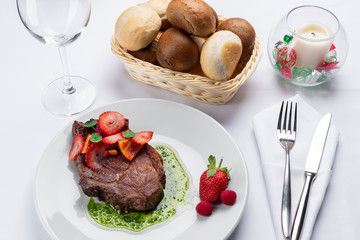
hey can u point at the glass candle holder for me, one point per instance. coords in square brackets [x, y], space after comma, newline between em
[308, 46]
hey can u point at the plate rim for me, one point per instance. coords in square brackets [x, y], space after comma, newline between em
[67, 125]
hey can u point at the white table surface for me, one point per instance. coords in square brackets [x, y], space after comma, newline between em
[26, 66]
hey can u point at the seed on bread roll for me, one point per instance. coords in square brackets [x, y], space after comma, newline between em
[160, 7]
[220, 54]
[177, 51]
[243, 29]
[137, 27]
[193, 16]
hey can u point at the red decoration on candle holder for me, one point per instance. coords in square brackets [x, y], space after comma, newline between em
[327, 66]
[286, 72]
[286, 57]
[332, 47]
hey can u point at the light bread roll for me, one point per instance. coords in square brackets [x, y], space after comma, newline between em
[220, 54]
[193, 16]
[137, 27]
[160, 7]
[198, 40]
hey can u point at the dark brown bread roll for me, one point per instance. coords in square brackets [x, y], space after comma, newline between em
[177, 51]
[193, 16]
[243, 29]
[148, 54]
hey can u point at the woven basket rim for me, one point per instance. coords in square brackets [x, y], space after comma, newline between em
[193, 86]
[184, 76]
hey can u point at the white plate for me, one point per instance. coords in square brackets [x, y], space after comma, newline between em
[60, 202]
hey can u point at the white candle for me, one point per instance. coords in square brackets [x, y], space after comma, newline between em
[311, 43]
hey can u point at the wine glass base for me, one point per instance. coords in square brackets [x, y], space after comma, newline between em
[68, 104]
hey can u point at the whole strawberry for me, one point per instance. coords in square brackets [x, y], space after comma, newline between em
[213, 181]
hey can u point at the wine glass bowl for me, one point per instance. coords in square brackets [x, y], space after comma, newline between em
[59, 23]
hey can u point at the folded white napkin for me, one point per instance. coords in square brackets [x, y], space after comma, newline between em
[273, 162]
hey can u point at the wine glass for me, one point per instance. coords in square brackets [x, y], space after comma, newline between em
[59, 23]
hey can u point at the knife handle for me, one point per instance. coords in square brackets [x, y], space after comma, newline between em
[301, 208]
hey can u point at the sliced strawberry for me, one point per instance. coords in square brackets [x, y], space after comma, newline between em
[142, 137]
[111, 142]
[98, 130]
[111, 122]
[86, 144]
[129, 148]
[95, 154]
[76, 147]
[113, 138]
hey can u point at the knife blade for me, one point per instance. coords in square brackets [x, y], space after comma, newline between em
[311, 168]
[317, 144]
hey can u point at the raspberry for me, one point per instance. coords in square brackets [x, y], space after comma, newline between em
[228, 197]
[204, 208]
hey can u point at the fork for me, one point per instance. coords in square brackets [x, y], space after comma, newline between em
[286, 133]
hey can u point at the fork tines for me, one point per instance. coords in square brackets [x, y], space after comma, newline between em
[283, 117]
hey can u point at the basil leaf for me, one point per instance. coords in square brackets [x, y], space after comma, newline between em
[128, 134]
[91, 123]
[95, 137]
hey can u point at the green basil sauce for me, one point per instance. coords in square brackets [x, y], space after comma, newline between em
[175, 191]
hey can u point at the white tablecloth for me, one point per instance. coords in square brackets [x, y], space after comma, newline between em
[26, 66]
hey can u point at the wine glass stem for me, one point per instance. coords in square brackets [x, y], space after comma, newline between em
[68, 87]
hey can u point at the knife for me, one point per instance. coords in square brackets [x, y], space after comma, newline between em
[311, 169]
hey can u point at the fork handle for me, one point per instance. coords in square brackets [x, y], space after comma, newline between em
[302, 206]
[286, 199]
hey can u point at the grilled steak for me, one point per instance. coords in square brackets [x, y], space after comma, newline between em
[126, 185]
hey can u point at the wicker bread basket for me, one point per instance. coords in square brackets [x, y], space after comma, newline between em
[189, 85]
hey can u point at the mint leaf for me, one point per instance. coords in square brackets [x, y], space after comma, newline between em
[91, 123]
[128, 134]
[211, 172]
[95, 137]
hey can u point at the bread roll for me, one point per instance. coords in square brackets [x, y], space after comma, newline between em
[148, 54]
[177, 51]
[160, 7]
[243, 29]
[193, 16]
[220, 54]
[199, 41]
[137, 27]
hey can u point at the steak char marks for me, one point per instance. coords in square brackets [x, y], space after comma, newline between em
[126, 185]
